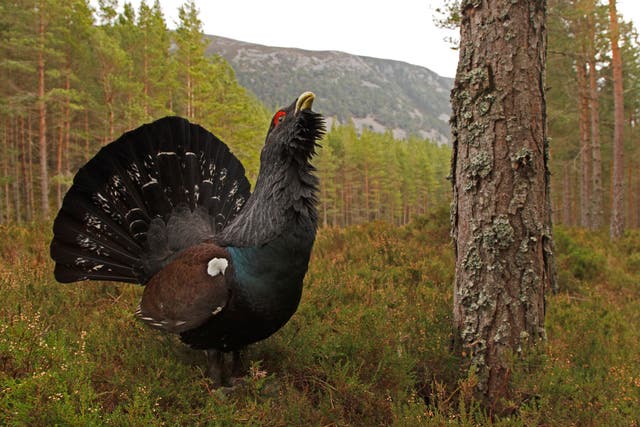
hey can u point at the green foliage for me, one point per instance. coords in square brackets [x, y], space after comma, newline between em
[370, 344]
[373, 176]
[577, 259]
[102, 80]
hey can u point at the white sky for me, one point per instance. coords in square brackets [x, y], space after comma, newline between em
[397, 29]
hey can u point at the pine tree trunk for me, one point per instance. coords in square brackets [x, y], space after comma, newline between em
[501, 220]
[15, 160]
[5, 173]
[566, 194]
[30, 188]
[42, 124]
[367, 207]
[59, 149]
[585, 145]
[597, 211]
[23, 170]
[617, 187]
[629, 204]
[67, 126]
[87, 154]
[145, 75]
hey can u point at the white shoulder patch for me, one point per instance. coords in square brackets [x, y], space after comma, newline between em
[217, 266]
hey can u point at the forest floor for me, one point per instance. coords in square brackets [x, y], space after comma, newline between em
[369, 345]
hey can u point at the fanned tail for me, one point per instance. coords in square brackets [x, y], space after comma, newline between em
[144, 198]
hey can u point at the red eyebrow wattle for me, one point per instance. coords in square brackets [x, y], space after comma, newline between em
[277, 117]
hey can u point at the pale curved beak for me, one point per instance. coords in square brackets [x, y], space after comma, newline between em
[305, 101]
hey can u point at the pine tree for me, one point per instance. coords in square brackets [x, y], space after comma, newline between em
[617, 187]
[153, 65]
[501, 209]
[190, 58]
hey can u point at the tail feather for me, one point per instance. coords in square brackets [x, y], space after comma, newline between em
[87, 265]
[144, 198]
[80, 212]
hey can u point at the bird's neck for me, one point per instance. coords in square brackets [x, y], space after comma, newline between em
[282, 207]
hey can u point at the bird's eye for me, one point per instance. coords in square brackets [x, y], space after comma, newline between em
[279, 117]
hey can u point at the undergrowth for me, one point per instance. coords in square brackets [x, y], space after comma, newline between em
[369, 345]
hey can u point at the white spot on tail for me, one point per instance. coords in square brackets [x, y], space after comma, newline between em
[216, 311]
[217, 266]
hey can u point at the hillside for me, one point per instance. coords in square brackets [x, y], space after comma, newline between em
[377, 94]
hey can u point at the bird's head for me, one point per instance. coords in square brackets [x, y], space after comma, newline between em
[285, 192]
[293, 132]
[286, 173]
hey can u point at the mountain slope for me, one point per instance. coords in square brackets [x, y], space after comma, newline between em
[376, 93]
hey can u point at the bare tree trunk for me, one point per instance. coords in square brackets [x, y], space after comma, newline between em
[145, 75]
[112, 121]
[23, 170]
[585, 145]
[87, 154]
[5, 173]
[59, 150]
[67, 126]
[629, 201]
[501, 221]
[617, 186]
[190, 112]
[42, 124]
[15, 160]
[367, 206]
[30, 188]
[566, 194]
[597, 210]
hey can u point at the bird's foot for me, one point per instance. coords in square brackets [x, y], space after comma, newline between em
[215, 367]
[240, 367]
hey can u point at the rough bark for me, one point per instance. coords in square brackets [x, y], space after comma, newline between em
[501, 212]
[617, 186]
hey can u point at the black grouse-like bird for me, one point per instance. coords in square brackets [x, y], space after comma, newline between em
[167, 205]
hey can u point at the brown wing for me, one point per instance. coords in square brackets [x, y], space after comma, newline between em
[188, 291]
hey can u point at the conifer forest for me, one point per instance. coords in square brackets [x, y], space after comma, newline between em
[371, 342]
[75, 79]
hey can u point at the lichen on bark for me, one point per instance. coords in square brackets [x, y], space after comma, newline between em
[501, 224]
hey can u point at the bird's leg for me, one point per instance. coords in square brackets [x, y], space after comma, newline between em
[215, 366]
[239, 364]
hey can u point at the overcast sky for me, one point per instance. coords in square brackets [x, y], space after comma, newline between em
[396, 29]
